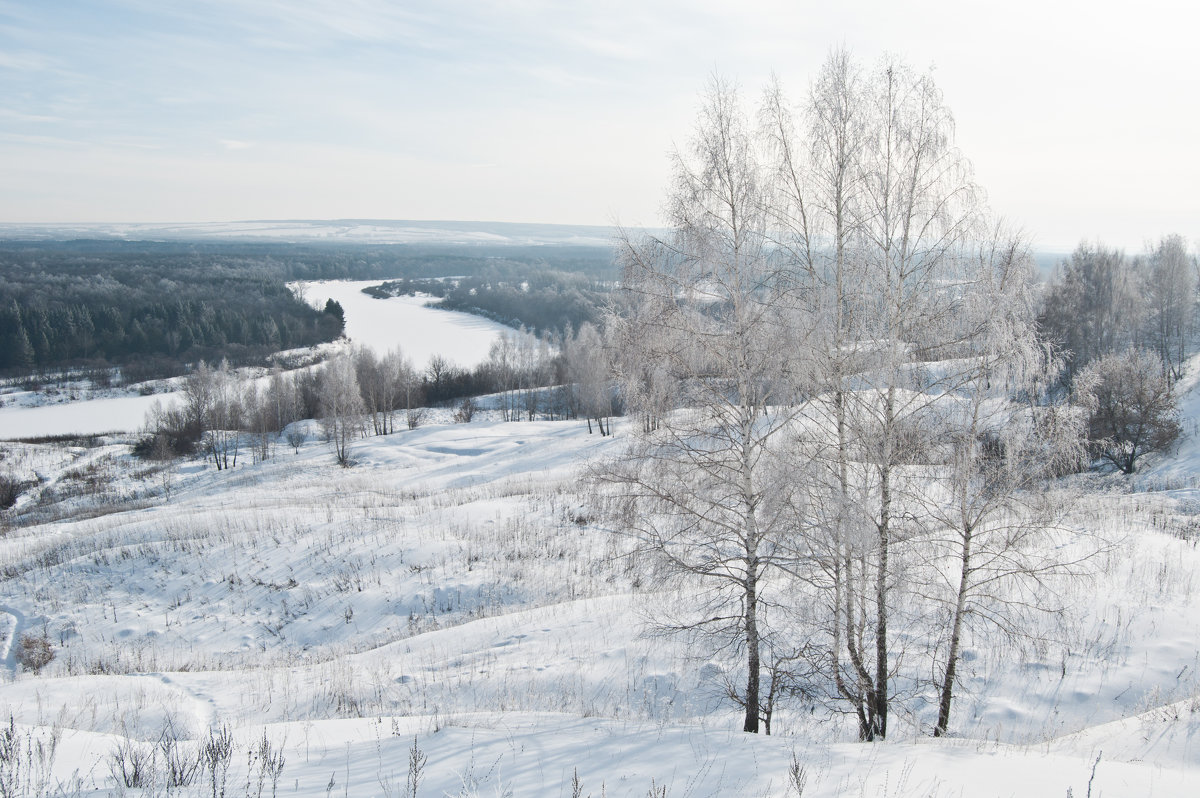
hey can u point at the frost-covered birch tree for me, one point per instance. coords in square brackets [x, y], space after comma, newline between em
[342, 410]
[833, 297]
[884, 225]
[589, 372]
[714, 316]
[224, 415]
[988, 507]
[1168, 283]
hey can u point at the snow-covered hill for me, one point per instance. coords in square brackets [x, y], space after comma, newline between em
[344, 231]
[451, 596]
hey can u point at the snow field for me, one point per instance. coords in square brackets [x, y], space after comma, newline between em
[452, 586]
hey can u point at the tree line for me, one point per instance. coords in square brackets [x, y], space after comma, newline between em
[150, 315]
[226, 415]
[541, 300]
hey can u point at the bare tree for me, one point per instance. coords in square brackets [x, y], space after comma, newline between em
[818, 210]
[372, 384]
[260, 412]
[503, 368]
[198, 397]
[1000, 441]
[882, 221]
[1168, 284]
[648, 388]
[296, 436]
[437, 371]
[711, 308]
[341, 406]
[1091, 306]
[401, 386]
[1131, 408]
[590, 374]
[282, 399]
[225, 416]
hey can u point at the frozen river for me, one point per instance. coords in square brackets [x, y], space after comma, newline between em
[420, 332]
[380, 324]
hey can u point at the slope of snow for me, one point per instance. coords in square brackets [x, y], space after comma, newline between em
[451, 589]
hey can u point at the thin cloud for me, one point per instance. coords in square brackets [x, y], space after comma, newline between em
[17, 116]
[25, 62]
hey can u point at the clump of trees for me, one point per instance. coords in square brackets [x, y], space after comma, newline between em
[844, 407]
[588, 379]
[226, 415]
[538, 298]
[1124, 328]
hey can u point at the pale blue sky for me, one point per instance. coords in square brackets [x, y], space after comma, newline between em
[1080, 120]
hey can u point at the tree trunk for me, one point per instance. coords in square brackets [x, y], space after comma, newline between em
[752, 653]
[943, 720]
[880, 698]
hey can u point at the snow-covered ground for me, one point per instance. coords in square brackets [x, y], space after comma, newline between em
[81, 417]
[452, 594]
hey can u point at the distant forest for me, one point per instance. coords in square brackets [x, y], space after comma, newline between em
[540, 299]
[155, 307]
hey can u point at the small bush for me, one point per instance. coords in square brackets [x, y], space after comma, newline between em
[34, 653]
[181, 766]
[295, 438]
[466, 411]
[215, 755]
[27, 762]
[131, 765]
[10, 490]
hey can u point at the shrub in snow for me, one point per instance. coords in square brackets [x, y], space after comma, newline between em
[295, 438]
[132, 765]
[1131, 408]
[466, 411]
[34, 653]
[10, 489]
[27, 760]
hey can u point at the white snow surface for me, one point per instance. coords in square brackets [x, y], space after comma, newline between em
[406, 323]
[452, 591]
[82, 417]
